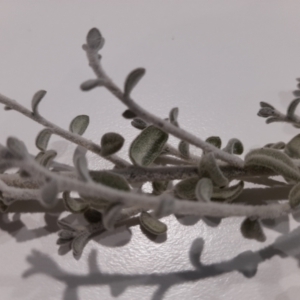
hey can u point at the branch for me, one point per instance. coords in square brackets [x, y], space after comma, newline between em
[96, 191]
[72, 137]
[94, 62]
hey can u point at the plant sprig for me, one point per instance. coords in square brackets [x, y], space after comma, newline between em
[108, 198]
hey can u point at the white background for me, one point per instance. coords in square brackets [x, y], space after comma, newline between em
[215, 60]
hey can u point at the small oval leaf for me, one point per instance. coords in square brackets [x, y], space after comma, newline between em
[111, 143]
[16, 147]
[215, 141]
[292, 108]
[152, 225]
[173, 116]
[139, 123]
[185, 189]
[279, 145]
[265, 104]
[132, 80]
[79, 124]
[79, 242]
[74, 205]
[147, 146]
[42, 139]
[251, 229]
[204, 190]
[91, 84]
[228, 193]
[111, 215]
[110, 179]
[273, 119]
[47, 158]
[80, 163]
[266, 112]
[184, 149]
[94, 39]
[159, 187]
[37, 97]
[128, 114]
[292, 148]
[208, 164]
[234, 146]
[66, 234]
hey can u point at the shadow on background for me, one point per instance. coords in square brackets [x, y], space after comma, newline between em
[245, 263]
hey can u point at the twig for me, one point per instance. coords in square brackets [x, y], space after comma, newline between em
[75, 138]
[93, 190]
[107, 82]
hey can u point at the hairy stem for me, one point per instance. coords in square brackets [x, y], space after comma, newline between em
[94, 63]
[93, 190]
[72, 137]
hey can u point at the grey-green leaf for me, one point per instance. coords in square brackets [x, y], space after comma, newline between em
[265, 104]
[152, 225]
[74, 205]
[209, 165]
[265, 112]
[132, 80]
[16, 147]
[234, 146]
[294, 196]
[292, 148]
[111, 215]
[79, 242]
[80, 163]
[39, 157]
[228, 193]
[110, 179]
[173, 116]
[139, 123]
[42, 139]
[159, 187]
[184, 149]
[275, 160]
[111, 143]
[49, 193]
[251, 229]
[91, 84]
[94, 39]
[66, 234]
[279, 145]
[47, 158]
[128, 114]
[147, 146]
[79, 124]
[65, 225]
[272, 120]
[185, 189]
[292, 107]
[37, 97]
[215, 141]
[204, 190]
